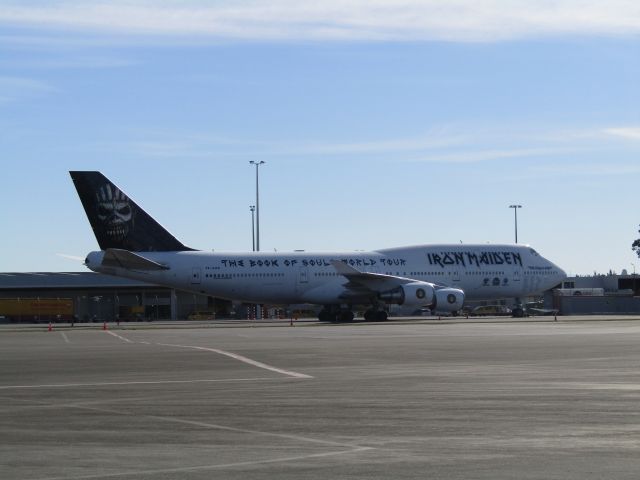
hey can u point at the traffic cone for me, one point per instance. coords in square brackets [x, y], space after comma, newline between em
[104, 326]
[50, 327]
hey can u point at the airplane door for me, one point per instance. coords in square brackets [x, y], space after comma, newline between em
[455, 277]
[517, 281]
[196, 275]
[516, 277]
[302, 280]
[303, 275]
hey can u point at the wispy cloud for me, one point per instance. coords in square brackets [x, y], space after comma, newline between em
[431, 140]
[166, 145]
[21, 83]
[336, 20]
[17, 88]
[447, 144]
[68, 62]
[482, 155]
[631, 133]
[597, 169]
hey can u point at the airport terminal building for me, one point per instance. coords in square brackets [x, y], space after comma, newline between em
[89, 296]
[597, 294]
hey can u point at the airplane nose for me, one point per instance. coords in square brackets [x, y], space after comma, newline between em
[561, 275]
[557, 274]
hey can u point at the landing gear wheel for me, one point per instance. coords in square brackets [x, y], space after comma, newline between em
[369, 315]
[346, 316]
[381, 316]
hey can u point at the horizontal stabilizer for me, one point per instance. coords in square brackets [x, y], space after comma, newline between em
[114, 257]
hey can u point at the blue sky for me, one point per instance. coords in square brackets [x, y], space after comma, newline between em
[382, 124]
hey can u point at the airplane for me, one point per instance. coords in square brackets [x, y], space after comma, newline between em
[439, 276]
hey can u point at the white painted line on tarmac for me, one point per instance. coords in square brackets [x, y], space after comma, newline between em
[118, 336]
[213, 467]
[600, 386]
[150, 382]
[215, 426]
[66, 339]
[240, 358]
[348, 448]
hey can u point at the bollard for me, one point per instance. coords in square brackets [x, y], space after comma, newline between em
[104, 326]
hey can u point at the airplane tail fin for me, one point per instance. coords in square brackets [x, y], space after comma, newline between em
[117, 221]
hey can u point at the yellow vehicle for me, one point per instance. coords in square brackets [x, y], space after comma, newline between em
[202, 316]
[36, 309]
[490, 310]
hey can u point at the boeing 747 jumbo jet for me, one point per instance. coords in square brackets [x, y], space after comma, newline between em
[134, 245]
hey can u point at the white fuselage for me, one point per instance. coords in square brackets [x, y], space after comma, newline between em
[481, 271]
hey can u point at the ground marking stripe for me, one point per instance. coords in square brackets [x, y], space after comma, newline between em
[151, 382]
[216, 426]
[235, 356]
[64, 335]
[246, 360]
[214, 467]
[351, 449]
[118, 336]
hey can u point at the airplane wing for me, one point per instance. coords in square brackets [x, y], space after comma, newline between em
[400, 290]
[115, 257]
[376, 282]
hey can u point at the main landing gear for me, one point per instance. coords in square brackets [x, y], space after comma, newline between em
[329, 314]
[373, 315]
[344, 315]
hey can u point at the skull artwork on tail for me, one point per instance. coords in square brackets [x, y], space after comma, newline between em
[115, 212]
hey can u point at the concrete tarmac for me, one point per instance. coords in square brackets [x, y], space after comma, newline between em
[509, 399]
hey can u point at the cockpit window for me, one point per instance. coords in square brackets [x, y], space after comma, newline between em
[533, 252]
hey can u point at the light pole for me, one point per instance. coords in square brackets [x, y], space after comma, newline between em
[515, 213]
[634, 268]
[257, 164]
[253, 227]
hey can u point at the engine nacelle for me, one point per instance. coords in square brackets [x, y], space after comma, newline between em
[418, 294]
[448, 299]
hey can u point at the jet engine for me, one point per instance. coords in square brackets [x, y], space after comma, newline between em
[448, 299]
[418, 294]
